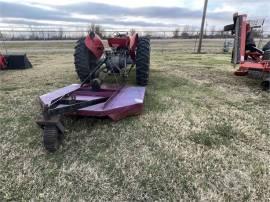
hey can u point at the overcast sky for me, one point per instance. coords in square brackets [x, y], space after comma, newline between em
[140, 14]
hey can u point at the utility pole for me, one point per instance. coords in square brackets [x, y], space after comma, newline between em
[202, 26]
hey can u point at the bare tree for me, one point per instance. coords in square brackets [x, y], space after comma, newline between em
[32, 33]
[185, 31]
[192, 30]
[213, 30]
[257, 33]
[60, 33]
[132, 31]
[176, 33]
[97, 29]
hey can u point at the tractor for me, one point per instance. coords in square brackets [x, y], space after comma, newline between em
[93, 97]
[253, 61]
[92, 60]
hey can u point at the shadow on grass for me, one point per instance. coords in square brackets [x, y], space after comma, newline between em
[215, 135]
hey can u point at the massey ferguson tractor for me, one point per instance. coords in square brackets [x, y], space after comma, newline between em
[92, 97]
[91, 58]
[252, 61]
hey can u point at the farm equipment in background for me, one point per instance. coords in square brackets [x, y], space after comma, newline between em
[14, 61]
[92, 97]
[253, 61]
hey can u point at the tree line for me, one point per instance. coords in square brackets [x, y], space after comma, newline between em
[186, 32]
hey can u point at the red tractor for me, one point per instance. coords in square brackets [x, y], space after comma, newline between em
[91, 97]
[253, 61]
[92, 60]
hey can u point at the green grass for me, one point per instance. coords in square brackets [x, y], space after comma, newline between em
[204, 135]
[215, 135]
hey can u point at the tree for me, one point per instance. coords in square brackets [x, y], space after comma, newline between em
[1, 36]
[176, 33]
[185, 32]
[97, 29]
[193, 31]
[132, 31]
[185, 35]
[60, 33]
[213, 30]
[257, 33]
[32, 33]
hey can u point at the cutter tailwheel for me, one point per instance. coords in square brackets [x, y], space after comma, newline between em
[96, 84]
[143, 61]
[51, 138]
[84, 61]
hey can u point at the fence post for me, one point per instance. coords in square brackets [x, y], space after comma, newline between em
[196, 38]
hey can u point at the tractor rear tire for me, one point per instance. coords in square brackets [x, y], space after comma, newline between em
[84, 61]
[266, 55]
[51, 138]
[266, 46]
[143, 61]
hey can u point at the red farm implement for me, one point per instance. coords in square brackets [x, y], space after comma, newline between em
[251, 60]
[92, 97]
[14, 61]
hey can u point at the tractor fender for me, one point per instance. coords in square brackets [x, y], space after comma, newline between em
[94, 44]
[133, 45]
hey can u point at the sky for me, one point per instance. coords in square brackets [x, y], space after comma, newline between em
[138, 14]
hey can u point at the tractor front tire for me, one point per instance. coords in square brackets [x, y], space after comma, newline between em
[84, 61]
[143, 61]
[51, 138]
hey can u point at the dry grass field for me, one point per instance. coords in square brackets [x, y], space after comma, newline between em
[204, 134]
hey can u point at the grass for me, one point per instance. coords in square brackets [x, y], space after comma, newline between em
[215, 135]
[204, 135]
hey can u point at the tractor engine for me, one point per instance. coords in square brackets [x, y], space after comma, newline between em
[116, 60]
[118, 57]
